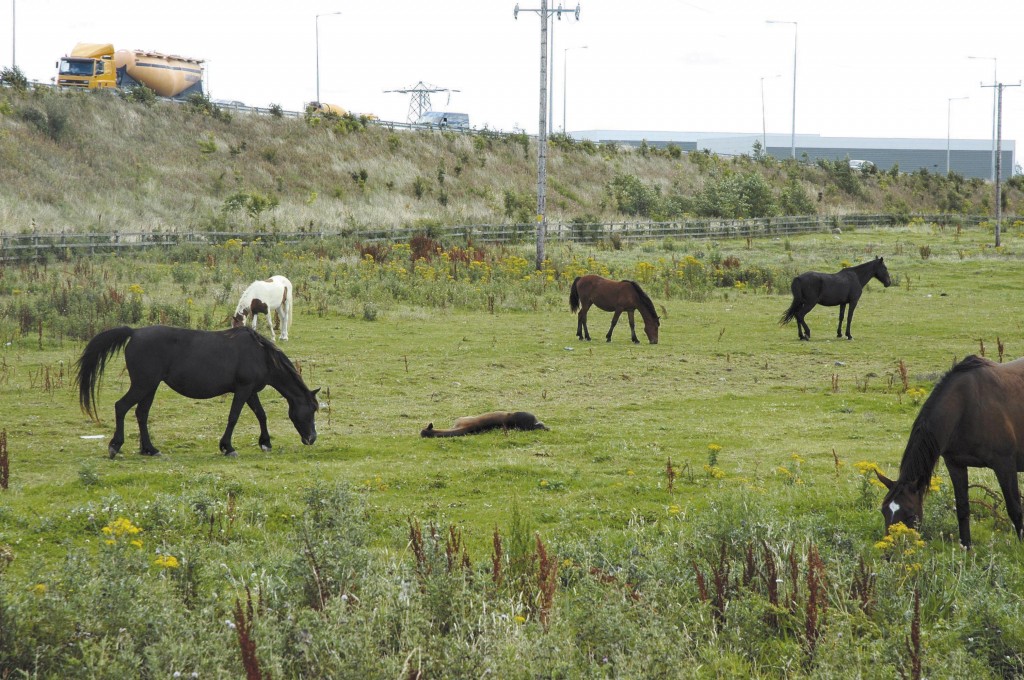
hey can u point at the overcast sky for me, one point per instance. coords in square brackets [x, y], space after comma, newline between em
[866, 68]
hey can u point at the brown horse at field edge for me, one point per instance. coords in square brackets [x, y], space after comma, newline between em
[612, 296]
[973, 418]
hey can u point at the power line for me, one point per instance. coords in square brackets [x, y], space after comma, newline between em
[419, 101]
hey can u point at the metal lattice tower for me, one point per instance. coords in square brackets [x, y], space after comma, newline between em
[419, 101]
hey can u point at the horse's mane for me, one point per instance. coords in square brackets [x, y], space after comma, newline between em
[922, 452]
[645, 301]
[275, 357]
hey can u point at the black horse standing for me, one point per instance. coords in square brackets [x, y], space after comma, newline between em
[842, 288]
[199, 365]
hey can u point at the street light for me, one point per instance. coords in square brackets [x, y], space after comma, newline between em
[764, 130]
[995, 79]
[949, 104]
[793, 135]
[329, 14]
[565, 80]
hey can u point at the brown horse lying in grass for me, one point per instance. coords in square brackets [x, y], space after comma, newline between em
[504, 420]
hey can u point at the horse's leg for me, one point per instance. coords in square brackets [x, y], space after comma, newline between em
[132, 397]
[958, 478]
[284, 313]
[802, 329]
[1007, 476]
[270, 322]
[849, 320]
[146, 447]
[632, 327]
[615, 320]
[240, 398]
[582, 324]
[261, 416]
[842, 311]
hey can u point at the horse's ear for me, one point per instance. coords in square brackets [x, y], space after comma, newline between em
[884, 480]
[315, 391]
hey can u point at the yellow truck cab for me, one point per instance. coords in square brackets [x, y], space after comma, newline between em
[89, 66]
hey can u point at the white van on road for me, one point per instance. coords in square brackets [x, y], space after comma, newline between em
[445, 120]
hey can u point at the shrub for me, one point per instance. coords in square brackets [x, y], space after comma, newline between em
[633, 197]
[252, 203]
[139, 94]
[53, 120]
[14, 78]
[519, 207]
[794, 200]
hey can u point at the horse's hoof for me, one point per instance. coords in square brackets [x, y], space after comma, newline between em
[266, 448]
[112, 452]
[150, 453]
[805, 339]
[230, 454]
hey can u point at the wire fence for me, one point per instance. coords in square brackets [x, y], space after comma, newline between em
[66, 245]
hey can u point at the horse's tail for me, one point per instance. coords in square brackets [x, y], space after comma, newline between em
[92, 362]
[574, 296]
[645, 301]
[798, 301]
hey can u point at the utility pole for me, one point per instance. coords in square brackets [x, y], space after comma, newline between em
[542, 125]
[999, 152]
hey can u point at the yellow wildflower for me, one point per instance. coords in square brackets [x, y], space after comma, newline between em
[166, 561]
[864, 467]
[714, 472]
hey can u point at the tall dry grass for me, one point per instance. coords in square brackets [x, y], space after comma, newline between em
[79, 161]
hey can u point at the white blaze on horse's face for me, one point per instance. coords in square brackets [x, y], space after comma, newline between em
[893, 508]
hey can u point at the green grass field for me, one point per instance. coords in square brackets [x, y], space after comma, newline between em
[659, 574]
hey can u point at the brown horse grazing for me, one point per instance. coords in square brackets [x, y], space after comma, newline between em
[505, 420]
[842, 288]
[973, 418]
[612, 296]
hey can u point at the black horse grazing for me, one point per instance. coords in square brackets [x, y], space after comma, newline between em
[973, 418]
[842, 288]
[612, 296]
[199, 365]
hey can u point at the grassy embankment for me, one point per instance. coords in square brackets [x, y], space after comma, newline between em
[80, 162]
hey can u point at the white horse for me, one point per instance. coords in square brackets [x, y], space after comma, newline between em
[274, 294]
